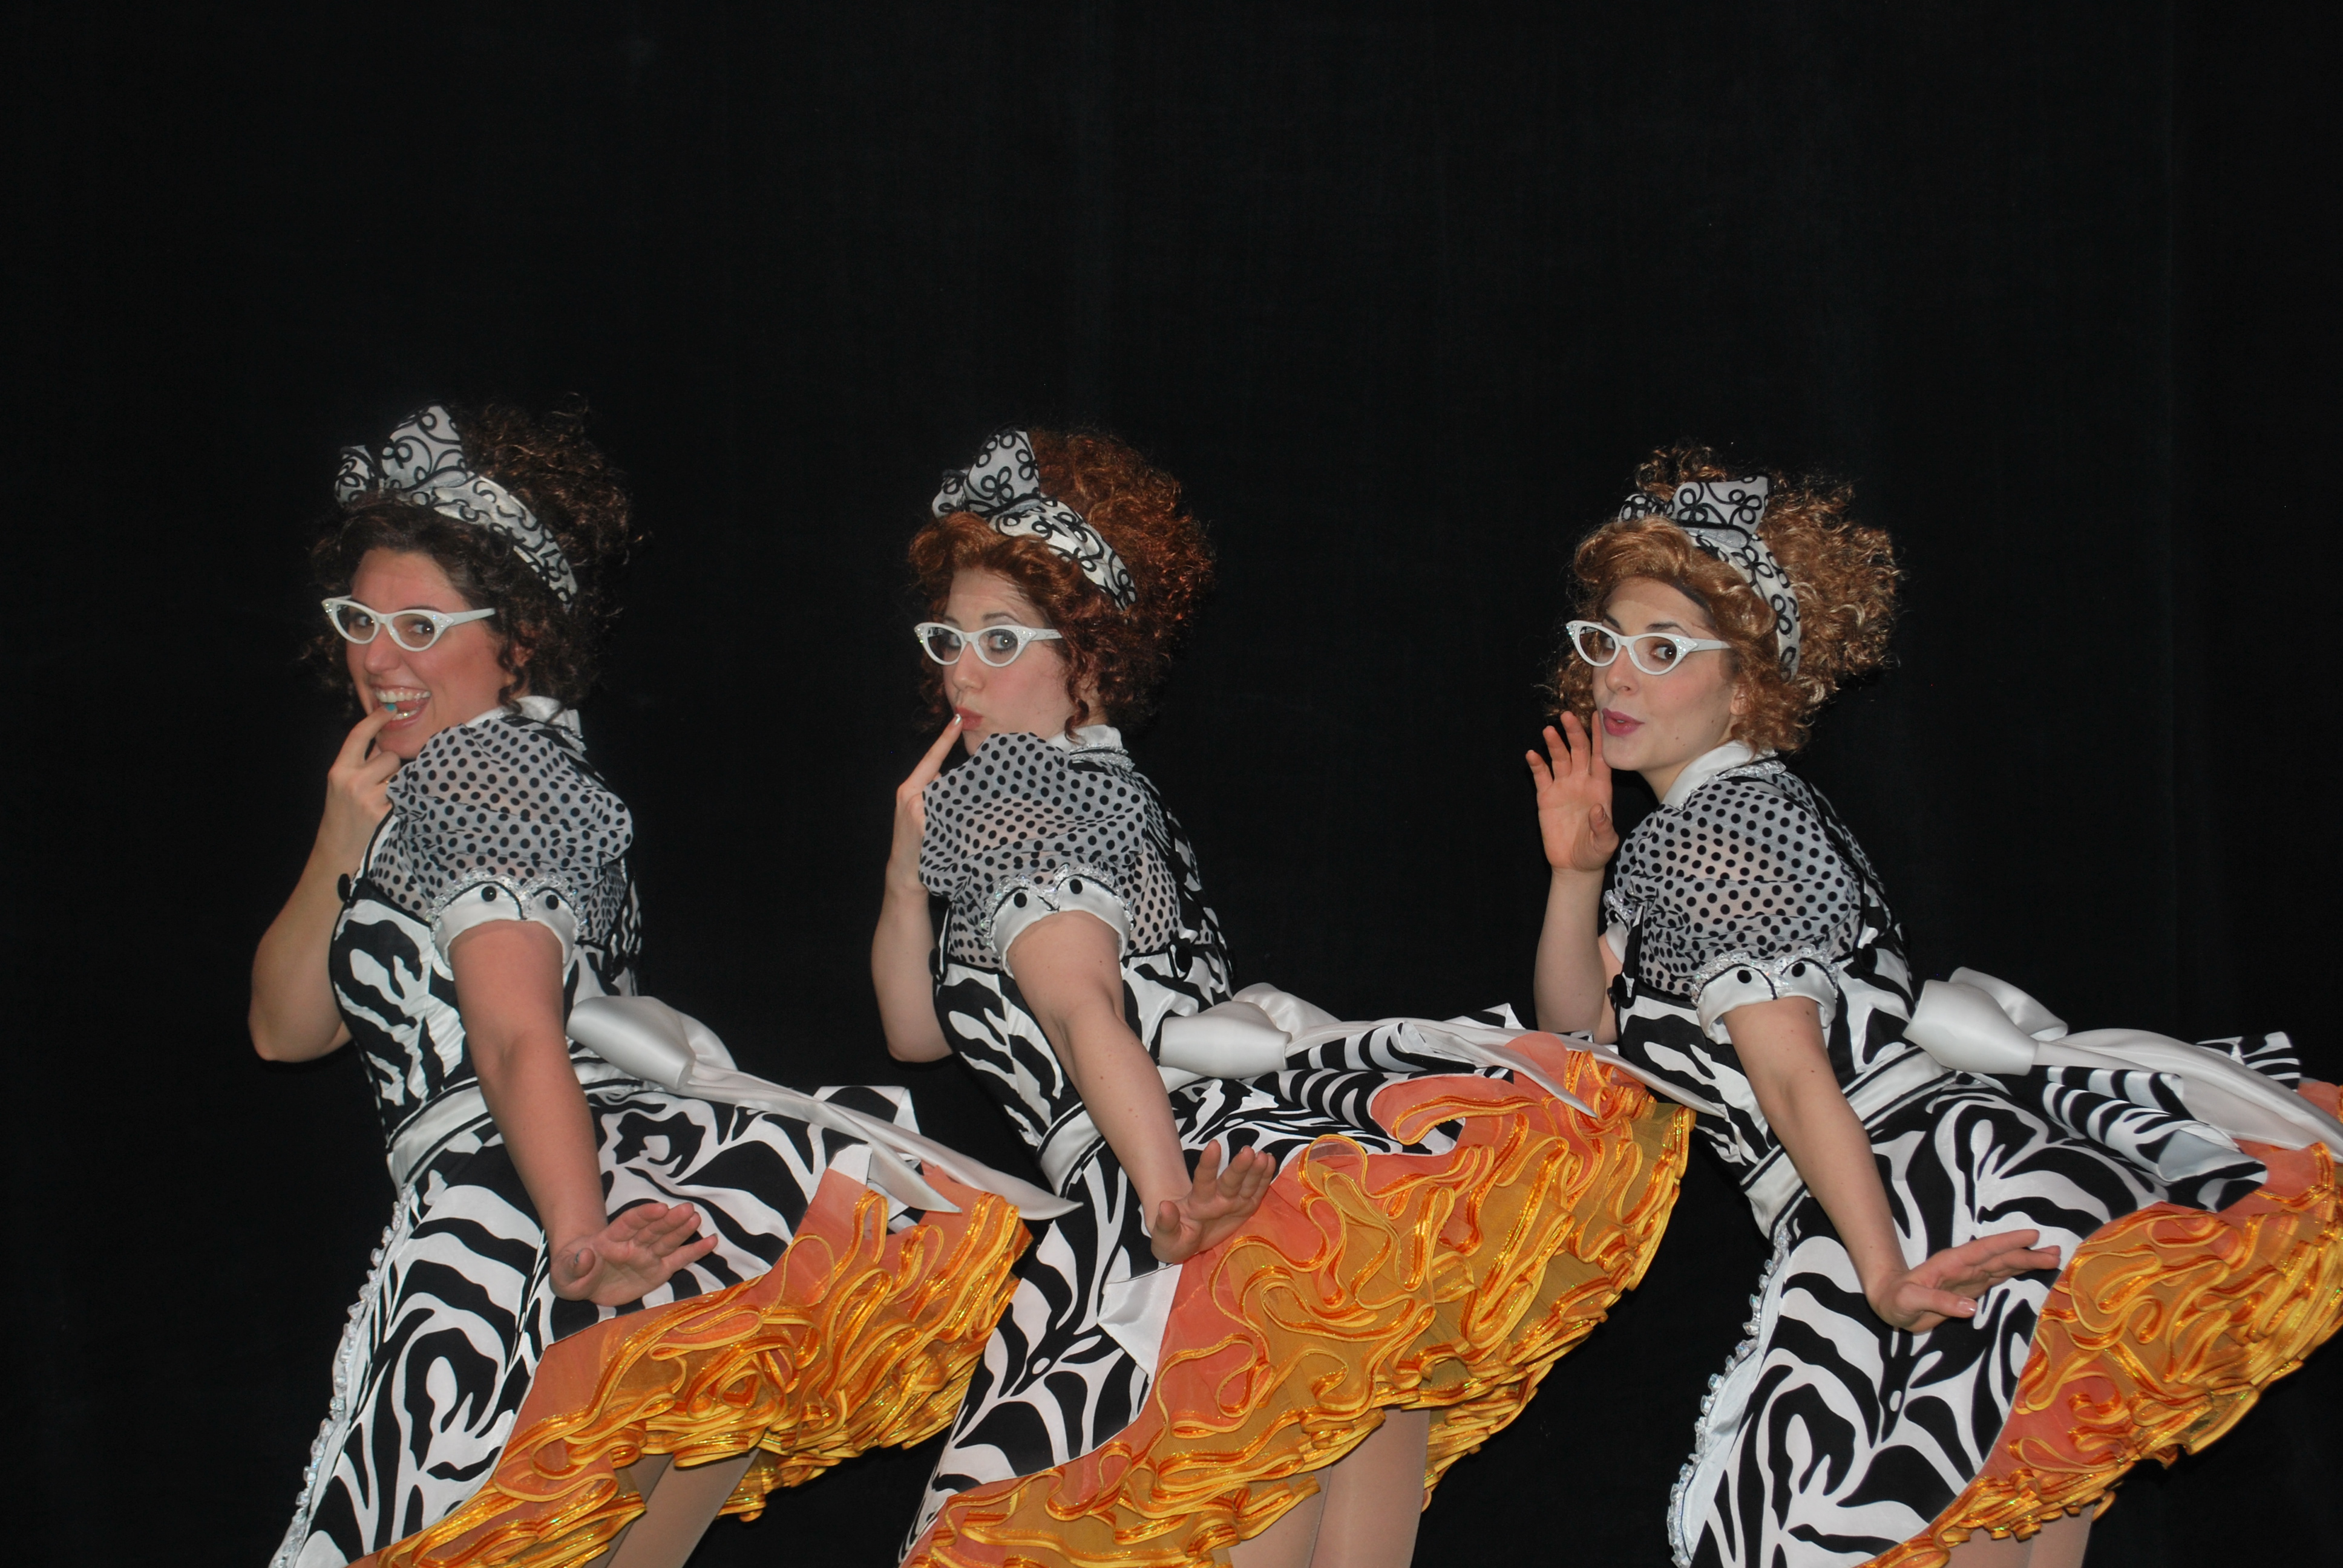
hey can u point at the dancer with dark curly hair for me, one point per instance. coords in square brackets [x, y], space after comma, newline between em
[2009, 1262]
[553, 1359]
[1267, 1360]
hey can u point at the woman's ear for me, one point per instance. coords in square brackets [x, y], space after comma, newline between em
[1088, 709]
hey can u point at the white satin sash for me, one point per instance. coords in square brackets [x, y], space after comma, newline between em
[1259, 1030]
[646, 1038]
[1975, 1023]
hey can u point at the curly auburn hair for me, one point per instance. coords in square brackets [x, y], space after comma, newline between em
[1120, 654]
[1843, 574]
[547, 647]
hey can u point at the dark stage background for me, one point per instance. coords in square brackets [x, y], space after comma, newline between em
[1401, 292]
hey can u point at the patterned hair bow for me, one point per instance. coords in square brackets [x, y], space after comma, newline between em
[1723, 517]
[423, 462]
[1003, 487]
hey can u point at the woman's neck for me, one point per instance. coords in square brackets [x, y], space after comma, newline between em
[1675, 782]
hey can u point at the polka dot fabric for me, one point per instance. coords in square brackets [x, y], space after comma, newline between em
[509, 800]
[1744, 869]
[1022, 814]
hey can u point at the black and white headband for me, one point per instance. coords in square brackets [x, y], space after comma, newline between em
[1722, 516]
[422, 462]
[1003, 487]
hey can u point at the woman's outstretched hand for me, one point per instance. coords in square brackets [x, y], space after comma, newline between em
[1215, 1205]
[631, 1255]
[912, 810]
[1574, 798]
[1946, 1284]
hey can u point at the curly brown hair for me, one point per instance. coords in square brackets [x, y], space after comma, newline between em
[547, 647]
[1845, 576]
[1119, 654]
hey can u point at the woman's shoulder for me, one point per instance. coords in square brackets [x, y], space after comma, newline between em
[517, 774]
[1027, 772]
[1758, 823]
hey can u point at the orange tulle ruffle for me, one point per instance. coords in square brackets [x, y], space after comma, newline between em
[1366, 1282]
[856, 1339]
[2162, 1331]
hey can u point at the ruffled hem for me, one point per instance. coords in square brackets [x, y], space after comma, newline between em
[2161, 1332]
[856, 1339]
[1366, 1282]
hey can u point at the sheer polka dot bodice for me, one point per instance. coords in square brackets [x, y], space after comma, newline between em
[1021, 831]
[1023, 820]
[498, 819]
[509, 801]
[1750, 889]
[1750, 866]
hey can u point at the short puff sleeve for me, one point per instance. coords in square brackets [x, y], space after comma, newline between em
[502, 821]
[1743, 896]
[1022, 831]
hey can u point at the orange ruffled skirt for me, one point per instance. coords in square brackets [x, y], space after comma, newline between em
[1366, 1282]
[2161, 1332]
[857, 1338]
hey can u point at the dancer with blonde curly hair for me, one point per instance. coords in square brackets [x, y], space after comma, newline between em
[1267, 1360]
[2009, 1262]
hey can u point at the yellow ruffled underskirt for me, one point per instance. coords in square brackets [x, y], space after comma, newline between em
[2161, 1332]
[1366, 1282]
[856, 1339]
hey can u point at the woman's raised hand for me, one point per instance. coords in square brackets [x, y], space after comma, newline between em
[1947, 1283]
[1574, 798]
[912, 810]
[357, 792]
[1216, 1203]
[630, 1256]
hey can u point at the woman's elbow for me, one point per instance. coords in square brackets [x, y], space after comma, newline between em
[933, 1049]
[271, 1042]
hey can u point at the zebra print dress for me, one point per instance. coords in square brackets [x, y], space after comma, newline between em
[1830, 1438]
[1084, 1435]
[503, 818]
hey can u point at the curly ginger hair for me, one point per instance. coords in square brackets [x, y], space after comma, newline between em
[1120, 656]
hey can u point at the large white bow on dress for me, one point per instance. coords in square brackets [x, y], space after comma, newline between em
[1975, 1023]
[643, 1036]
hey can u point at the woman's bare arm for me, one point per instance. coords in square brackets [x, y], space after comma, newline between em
[906, 934]
[1781, 1047]
[509, 989]
[1069, 971]
[1573, 804]
[294, 1016]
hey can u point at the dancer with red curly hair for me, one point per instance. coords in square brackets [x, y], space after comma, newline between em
[553, 1359]
[1268, 1359]
[2009, 1262]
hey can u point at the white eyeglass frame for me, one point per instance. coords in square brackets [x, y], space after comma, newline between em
[1024, 634]
[441, 622]
[1684, 645]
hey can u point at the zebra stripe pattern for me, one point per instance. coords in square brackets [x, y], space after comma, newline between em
[1830, 1438]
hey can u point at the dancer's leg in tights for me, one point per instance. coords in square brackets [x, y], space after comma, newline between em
[2058, 1545]
[1367, 1510]
[678, 1506]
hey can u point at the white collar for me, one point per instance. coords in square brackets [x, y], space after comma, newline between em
[1089, 738]
[1709, 765]
[543, 709]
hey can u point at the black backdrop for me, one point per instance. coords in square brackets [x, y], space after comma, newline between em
[1401, 292]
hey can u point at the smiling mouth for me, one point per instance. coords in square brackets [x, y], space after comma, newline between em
[403, 702]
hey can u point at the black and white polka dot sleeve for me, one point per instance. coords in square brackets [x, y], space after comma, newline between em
[1746, 897]
[501, 821]
[1022, 831]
